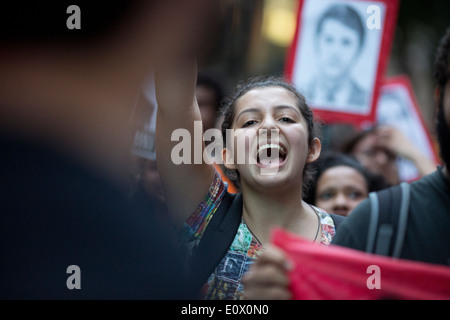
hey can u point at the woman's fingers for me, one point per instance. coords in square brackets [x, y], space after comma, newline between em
[268, 277]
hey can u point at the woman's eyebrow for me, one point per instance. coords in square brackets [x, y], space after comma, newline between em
[288, 107]
[246, 111]
[276, 108]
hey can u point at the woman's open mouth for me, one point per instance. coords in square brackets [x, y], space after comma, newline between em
[271, 155]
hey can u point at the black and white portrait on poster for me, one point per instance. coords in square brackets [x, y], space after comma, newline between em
[339, 56]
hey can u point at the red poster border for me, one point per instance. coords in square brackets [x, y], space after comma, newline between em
[359, 120]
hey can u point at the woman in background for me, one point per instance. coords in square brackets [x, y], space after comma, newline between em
[341, 183]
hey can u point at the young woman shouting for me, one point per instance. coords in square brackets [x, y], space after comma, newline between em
[279, 144]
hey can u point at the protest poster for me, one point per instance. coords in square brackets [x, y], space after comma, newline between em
[339, 54]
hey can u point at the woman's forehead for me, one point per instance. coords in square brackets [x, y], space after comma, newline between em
[266, 96]
[343, 175]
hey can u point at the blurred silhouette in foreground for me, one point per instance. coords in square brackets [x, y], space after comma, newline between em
[68, 229]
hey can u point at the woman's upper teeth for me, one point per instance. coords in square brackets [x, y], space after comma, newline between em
[271, 146]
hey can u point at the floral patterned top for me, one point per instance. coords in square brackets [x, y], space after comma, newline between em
[225, 282]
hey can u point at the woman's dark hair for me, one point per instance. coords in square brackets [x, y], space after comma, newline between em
[332, 159]
[349, 145]
[229, 108]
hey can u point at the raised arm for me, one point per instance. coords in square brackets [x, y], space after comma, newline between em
[185, 184]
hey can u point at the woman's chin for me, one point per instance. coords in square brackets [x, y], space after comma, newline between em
[269, 178]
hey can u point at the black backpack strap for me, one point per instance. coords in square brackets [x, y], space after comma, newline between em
[389, 215]
[216, 239]
[402, 220]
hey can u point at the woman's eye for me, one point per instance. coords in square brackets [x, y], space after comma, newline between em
[286, 119]
[325, 196]
[355, 195]
[248, 123]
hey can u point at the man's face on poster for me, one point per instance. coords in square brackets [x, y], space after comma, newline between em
[392, 111]
[338, 46]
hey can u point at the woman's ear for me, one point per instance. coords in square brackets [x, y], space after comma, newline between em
[314, 150]
[228, 159]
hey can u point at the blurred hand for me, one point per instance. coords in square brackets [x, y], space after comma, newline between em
[397, 143]
[268, 278]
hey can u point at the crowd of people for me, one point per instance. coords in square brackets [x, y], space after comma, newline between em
[67, 146]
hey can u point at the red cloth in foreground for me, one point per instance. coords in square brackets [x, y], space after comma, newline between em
[333, 272]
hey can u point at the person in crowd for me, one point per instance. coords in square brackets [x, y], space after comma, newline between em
[341, 183]
[426, 239]
[145, 182]
[394, 109]
[210, 94]
[68, 228]
[271, 127]
[378, 149]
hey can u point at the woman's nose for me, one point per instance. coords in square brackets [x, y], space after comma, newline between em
[269, 130]
[340, 200]
[268, 123]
